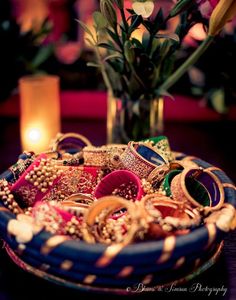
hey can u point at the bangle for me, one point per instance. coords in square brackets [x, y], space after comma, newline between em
[100, 226]
[183, 164]
[73, 180]
[161, 143]
[169, 214]
[57, 220]
[69, 142]
[104, 156]
[199, 188]
[144, 161]
[95, 156]
[121, 183]
[165, 186]
[50, 217]
[15, 171]
[77, 204]
[36, 181]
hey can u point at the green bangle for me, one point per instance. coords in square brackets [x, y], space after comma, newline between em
[156, 139]
[167, 181]
[162, 144]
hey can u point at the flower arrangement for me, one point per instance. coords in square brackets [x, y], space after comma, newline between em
[139, 71]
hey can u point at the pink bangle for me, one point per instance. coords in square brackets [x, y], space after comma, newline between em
[121, 183]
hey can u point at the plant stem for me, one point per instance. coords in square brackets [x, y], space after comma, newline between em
[119, 43]
[103, 70]
[124, 20]
[149, 47]
[187, 64]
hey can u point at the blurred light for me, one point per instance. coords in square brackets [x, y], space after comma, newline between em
[40, 111]
[197, 32]
[34, 135]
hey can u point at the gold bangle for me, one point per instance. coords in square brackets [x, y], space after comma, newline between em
[77, 204]
[81, 198]
[150, 203]
[215, 191]
[55, 144]
[104, 156]
[100, 214]
[182, 164]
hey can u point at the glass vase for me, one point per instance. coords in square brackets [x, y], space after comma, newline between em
[133, 120]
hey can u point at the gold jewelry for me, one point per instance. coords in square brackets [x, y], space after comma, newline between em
[43, 175]
[180, 216]
[143, 168]
[57, 143]
[210, 188]
[100, 226]
[104, 156]
[77, 204]
[8, 198]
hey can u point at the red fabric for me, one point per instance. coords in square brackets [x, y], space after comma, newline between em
[92, 105]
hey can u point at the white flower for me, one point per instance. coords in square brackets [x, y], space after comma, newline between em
[23, 228]
[145, 9]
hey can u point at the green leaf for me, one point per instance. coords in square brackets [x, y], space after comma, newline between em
[129, 52]
[136, 21]
[99, 20]
[217, 99]
[156, 44]
[114, 36]
[148, 25]
[119, 3]
[91, 43]
[109, 57]
[108, 10]
[42, 55]
[165, 47]
[172, 36]
[94, 65]
[131, 11]
[85, 28]
[181, 5]
[123, 35]
[108, 47]
[168, 66]
[145, 40]
[137, 43]
[158, 22]
[159, 92]
[117, 66]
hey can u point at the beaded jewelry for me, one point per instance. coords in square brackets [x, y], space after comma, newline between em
[8, 198]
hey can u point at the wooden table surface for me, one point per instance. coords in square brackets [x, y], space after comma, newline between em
[211, 141]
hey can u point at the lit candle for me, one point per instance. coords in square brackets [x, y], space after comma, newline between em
[40, 111]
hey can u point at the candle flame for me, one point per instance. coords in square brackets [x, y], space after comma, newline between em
[34, 135]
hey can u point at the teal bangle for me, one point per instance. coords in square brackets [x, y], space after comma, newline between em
[165, 186]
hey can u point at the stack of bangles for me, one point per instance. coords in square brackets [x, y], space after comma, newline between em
[113, 194]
